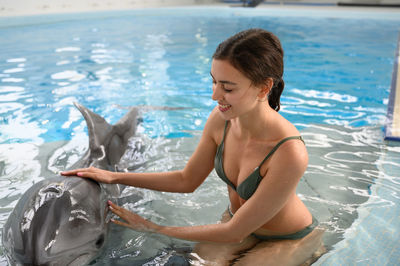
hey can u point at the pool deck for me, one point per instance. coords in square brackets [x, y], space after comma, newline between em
[392, 128]
[11, 8]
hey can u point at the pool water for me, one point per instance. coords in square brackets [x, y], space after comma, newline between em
[337, 73]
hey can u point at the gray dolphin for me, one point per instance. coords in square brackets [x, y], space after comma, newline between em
[64, 220]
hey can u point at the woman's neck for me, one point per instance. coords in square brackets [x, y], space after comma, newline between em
[255, 124]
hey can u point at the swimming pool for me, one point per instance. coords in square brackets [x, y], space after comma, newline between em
[337, 73]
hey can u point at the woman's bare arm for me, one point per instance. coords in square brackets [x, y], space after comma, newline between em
[196, 170]
[274, 191]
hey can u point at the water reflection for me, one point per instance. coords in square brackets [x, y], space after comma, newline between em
[154, 66]
[19, 170]
[345, 164]
[373, 235]
[326, 95]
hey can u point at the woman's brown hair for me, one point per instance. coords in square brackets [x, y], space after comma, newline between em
[258, 54]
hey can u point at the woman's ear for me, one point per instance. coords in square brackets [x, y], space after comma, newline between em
[265, 89]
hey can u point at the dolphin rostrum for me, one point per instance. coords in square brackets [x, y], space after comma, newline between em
[64, 220]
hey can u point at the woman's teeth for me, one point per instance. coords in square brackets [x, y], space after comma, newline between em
[224, 107]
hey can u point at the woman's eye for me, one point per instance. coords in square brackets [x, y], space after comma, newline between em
[222, 86]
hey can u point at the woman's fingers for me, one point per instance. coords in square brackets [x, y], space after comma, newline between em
[91, 172]
[131, 220]
[113, 206]
[121, 212]
[91, 175]
[73, 172]
[120, 223]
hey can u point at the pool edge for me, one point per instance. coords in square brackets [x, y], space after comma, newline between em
[392, 125]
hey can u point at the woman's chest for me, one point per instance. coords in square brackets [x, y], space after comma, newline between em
[241, 159]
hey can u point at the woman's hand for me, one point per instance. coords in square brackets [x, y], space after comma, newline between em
[96, 174]
[132, 220]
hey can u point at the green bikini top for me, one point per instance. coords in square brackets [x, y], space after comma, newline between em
[247, 188]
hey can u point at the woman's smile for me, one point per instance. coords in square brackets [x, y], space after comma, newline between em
[224, 107]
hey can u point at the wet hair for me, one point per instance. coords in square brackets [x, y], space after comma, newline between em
[257, 54]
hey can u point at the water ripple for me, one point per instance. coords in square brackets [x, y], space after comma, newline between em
[345, 165]
[326, 95]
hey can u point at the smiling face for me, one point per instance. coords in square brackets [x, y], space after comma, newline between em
[258, 55]
[235, 93]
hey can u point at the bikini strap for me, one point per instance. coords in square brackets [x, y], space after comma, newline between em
[226, 126]
[279, 144]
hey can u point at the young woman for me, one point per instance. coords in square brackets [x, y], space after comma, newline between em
[258, 153]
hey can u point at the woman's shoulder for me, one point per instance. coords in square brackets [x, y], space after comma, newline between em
[292, 145]
[292, 151]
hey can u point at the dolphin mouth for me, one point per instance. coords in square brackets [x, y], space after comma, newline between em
[81, 260]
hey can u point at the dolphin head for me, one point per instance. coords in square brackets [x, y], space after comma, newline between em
[64, 221]
[60, 223]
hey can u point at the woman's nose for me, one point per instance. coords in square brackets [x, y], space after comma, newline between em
[217, 92]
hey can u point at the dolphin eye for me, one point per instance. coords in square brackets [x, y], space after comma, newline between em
[100, 241]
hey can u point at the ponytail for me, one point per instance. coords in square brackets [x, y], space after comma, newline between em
[274, 95]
